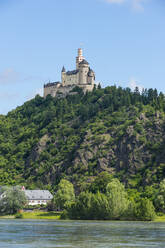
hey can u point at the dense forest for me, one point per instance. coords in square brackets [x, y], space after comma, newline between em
[112, 130]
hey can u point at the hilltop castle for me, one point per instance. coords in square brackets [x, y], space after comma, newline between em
[83, 77]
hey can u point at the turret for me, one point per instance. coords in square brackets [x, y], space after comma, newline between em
[79, 58]
[91, 76]
[83, 72]
[63, 75]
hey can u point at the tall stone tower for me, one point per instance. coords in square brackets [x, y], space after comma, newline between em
[83, 72]
[63, 76]
[79, 58]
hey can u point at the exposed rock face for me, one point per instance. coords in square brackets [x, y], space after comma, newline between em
[123, 150]
[41, 146]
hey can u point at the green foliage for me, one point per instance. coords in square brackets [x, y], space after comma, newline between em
[89, 206]
[112, 206]
[77, 137]
[12, 200]
[145, 210]
[117, 198]
[81, 208]
[19, 216]
[64, 195]
[160, 197]
[100, 182]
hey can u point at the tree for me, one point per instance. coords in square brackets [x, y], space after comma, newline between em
[99, 206]
[13, 200]
[99, 86]
[65, 194]
[100, 182]
[117, 198]
[160, 197]
[145, 210]
[82, 207]
[89, 206]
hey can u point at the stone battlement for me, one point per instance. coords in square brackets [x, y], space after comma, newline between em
[51, 84]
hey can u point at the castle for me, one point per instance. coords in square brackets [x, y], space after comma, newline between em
[83, 77]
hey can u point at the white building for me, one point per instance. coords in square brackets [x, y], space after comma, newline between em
[38, 197]
[34, 197]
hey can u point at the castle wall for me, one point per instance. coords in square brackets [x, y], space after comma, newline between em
[90, 80]
[71, 79]
[52, 90]
[87, 87]
[64, 91]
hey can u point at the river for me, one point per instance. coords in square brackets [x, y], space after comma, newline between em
[78, 234]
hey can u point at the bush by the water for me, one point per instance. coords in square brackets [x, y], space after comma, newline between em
[115, 204]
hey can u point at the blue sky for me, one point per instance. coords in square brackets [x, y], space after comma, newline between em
[123, 40]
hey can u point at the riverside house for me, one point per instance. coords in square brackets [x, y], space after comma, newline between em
[34, 197]
[38, 197]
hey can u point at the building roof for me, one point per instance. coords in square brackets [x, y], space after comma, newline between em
[83, 62]
[91, 73]
[38, 194]
[72, 72]
[63, 69]
[51, 84]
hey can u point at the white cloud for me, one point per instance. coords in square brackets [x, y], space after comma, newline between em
[137, 5]
[133, 84]
[32, 94]
[8, 76]
[39, 91]
[8, 96]
[115, 1]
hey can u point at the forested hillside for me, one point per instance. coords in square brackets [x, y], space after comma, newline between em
[112, 129]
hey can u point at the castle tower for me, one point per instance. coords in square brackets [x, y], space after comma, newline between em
[79, 58]
[91, 77]
[63, 75]
[83, 72]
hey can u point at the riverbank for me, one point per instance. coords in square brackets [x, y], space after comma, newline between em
[54, 215]
[34, 215]
[160, 218]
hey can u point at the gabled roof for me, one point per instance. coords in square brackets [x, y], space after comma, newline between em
[51, 84]
[38, 194]
[63, 69]
[72, 72]
[84, 62]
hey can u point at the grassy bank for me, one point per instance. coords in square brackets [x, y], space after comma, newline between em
[35, 215]
[160, 218]
[54, 216]
[41, 215]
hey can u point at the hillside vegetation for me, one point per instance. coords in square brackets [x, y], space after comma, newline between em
[112, 129]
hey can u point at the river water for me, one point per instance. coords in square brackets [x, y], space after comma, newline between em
[86, 234]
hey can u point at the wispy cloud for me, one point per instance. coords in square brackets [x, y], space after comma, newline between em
[115, 1]
[133, 83]
[8, 96]
[9, 76]
[32, 94]
[137, 5]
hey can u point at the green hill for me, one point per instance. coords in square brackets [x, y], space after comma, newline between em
[76, 138]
